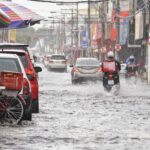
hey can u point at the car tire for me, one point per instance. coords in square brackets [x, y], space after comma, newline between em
[28, 114]
[74, 81]
[35, 106]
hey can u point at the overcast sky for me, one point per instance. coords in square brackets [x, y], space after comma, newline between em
[43, 8]
[39, 7]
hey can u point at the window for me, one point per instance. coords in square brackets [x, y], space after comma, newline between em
[9, 64]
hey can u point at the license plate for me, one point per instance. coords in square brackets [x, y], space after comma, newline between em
[110, 82]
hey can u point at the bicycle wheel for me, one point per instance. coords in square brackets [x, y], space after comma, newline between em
[11, 110]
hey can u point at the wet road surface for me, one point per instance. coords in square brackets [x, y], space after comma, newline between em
[83, 117]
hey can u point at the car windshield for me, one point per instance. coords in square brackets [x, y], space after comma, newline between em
[87, 62]
[57, 57]
[9, 64]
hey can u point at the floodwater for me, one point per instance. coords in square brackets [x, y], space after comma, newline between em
[83, 117]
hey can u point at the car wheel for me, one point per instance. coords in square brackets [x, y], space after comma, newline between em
[74, 81]
[35, 106]
[12, 111]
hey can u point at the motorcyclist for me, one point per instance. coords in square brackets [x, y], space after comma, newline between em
[110, 65]
[132, 67]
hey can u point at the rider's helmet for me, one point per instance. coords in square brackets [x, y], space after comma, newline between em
[110, 55]
[132, 58]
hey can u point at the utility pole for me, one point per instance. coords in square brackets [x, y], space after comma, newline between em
[118, 27]
[118, 21]
[72, 22]
[77, 22]
[89, 31]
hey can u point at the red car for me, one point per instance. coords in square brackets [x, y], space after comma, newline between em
[22, 51]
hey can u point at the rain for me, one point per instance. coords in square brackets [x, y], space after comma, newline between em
[83, 115]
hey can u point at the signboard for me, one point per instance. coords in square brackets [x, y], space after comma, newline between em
[134, 46]
[118, 47]
[84, 40]
[124, 5]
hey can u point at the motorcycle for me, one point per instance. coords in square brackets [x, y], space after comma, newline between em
[111, 82]
[132, 73]
[11, 102]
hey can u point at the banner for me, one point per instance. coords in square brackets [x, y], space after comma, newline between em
[84, 39]
[124, 30]
[12, 35]
[139, 26]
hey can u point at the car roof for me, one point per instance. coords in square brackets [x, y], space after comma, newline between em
[5, 55]
[13, 45]
[12, 50]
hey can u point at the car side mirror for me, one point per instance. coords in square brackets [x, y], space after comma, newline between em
[38, 69]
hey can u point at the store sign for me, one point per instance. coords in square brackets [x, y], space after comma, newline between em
[84, 40]
[139, 26]
[134, 46]
[124, 5]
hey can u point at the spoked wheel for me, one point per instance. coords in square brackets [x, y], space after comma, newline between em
[11, 110]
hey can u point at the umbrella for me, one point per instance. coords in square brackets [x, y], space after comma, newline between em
[14, 16]
[4, 19]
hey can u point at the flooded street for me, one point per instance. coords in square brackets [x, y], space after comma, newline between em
[83, 117]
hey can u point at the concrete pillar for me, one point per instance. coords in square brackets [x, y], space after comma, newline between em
[148, 60]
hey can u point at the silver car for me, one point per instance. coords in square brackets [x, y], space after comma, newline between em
[86, 68]
[57, 61]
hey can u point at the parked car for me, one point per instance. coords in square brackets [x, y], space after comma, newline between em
[22, 51]
[86, 68]
[12, 66]
[57, 61]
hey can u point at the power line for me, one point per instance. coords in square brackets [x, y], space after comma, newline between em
[69, 2]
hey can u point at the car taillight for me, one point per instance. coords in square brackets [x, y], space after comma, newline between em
[30, 74]
[75, 69]
[26, 87]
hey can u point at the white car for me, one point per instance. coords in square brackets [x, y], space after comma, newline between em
[11, 63]
[57, 61]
